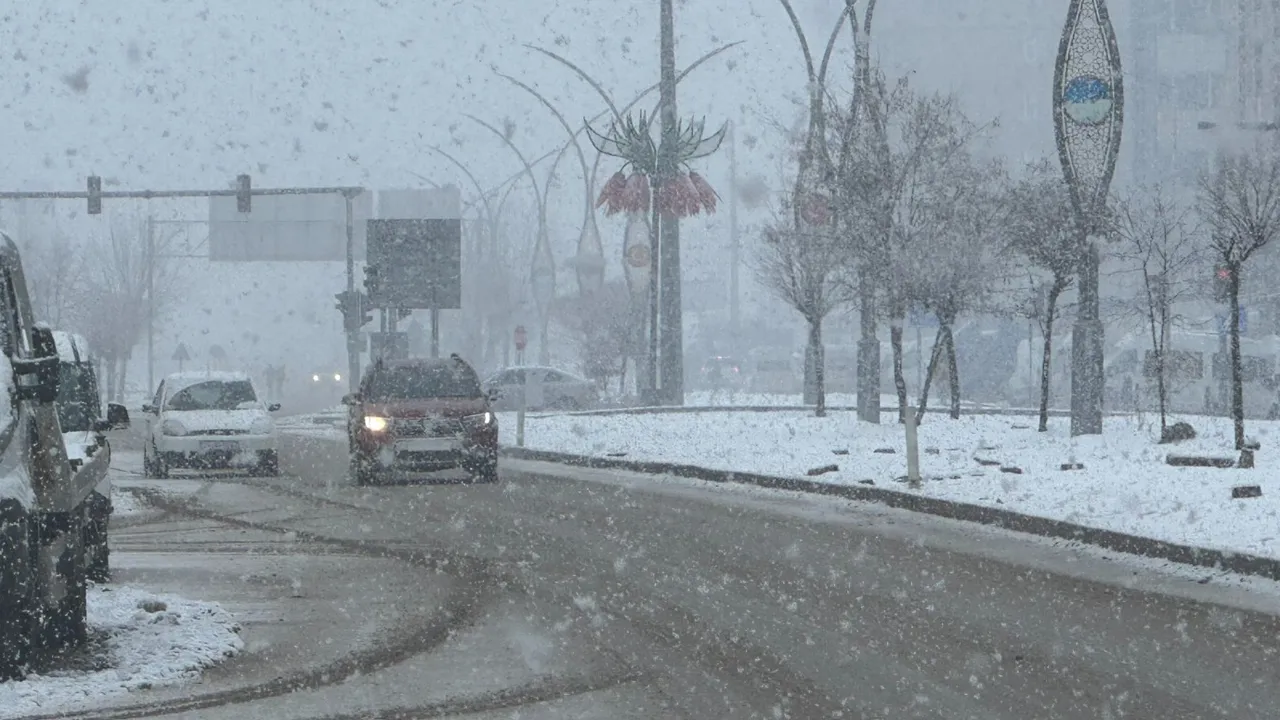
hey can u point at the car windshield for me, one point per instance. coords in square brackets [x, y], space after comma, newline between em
[213, 395]
[425, 381]
[78, 402]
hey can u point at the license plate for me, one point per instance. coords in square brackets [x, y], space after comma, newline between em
[219, 446]
[428, 444]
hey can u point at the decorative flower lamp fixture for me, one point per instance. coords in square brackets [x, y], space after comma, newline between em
[680, 192]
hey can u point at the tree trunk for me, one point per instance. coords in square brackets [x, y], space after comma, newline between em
[819, 369]
[900, 382]
[1162, 385]
[868, 352]
[120, 384]
[1046, 364]
[1237, 375]
[953, 369]
[935, 355]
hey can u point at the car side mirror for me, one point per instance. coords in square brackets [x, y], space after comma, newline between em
[350, 399]
[273, 407]
[148, 408]
[117, 416]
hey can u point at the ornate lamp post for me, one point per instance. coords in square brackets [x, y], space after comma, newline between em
[542, 272]
[1088, 113]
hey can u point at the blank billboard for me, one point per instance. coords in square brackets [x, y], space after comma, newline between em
[287, 228]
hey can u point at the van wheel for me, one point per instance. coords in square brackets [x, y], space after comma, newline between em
[69, 625]
[362, 471]
[16, 616]
[98, 567]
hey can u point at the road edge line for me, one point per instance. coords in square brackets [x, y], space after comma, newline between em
[1241, 563]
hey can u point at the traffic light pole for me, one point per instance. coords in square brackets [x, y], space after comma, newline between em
[353, 333]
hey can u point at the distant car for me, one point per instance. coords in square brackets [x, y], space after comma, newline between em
[208, 420]
[722, 373]
[545, 389]
[421, 415]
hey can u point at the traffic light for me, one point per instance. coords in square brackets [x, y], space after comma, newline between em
[1221, 283]
[371, 280]
[244, 194]
[95, 195]
[356, 312]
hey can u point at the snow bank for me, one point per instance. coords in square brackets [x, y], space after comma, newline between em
[147, 640]
[1125, 484]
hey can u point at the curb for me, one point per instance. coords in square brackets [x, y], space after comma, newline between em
[677, 409]
[1240, 563]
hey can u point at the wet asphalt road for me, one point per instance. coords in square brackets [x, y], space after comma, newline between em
[629, 597]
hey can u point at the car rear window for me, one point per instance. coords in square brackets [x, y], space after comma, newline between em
[425, 381]
[213, 395]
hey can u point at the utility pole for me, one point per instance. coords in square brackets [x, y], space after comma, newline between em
[735, 246]
[671, 332]
[353, 334]
[151, 302]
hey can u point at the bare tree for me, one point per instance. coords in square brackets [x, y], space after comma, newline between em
[602, 327]
[957, 271]
[115, 315]
[1041, 226]
[55, 266]
[1161, 241]
[892, 186]
[800, 263]
[1240, 202]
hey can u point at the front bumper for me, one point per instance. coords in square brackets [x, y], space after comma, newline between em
[216, 451]
[473, 450]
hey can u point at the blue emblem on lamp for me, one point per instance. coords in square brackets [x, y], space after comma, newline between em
[1087, 100]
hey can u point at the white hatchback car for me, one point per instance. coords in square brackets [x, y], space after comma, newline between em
[206, 420]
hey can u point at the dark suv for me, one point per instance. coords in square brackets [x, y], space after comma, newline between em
[421, 415]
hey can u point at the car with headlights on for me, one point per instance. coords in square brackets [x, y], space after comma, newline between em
[209, 420]
[421, 415]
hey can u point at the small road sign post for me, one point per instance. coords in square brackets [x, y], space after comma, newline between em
[522, 341]
[181, 356]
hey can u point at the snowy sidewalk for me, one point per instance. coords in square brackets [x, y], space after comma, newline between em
[144, 640]
[1125, 485]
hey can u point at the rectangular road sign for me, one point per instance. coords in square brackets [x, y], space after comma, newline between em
[416, 246]
[389, 345]
[287, 228]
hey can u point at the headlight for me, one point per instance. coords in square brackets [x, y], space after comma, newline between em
[261, 426]
[315, 378]
[375, 423]
[484, 418]
[337, 377]
[172, 427]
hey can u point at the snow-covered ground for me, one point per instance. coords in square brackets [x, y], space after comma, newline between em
[1125, 484]
[140, 640]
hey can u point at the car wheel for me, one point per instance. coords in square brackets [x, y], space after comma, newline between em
[99, 552]
[159, 469]
[16, 616]
[268, 465]
[69, 625]
[362, 471]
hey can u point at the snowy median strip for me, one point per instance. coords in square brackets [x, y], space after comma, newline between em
[139, 640]
[1119, 491]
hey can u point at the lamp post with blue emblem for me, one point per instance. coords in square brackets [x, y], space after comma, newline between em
[1088, 113]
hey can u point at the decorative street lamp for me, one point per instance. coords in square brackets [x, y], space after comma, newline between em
[542, 272]
[1088, 113]
[669, 325]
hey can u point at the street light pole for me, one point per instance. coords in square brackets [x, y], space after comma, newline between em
[151, 302]
[1088, 109]
[735, 329]
[672, 322]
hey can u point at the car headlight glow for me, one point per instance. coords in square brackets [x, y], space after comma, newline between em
[337, 377]
[315, 378]
[172, 427]
[484, 418]
[261, 426]
[375, 423]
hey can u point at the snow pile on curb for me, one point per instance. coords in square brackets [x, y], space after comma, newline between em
[147, 640]
[997, 461]
[125, 504]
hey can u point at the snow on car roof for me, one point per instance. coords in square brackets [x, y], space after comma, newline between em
[71, 347]
[180, 380]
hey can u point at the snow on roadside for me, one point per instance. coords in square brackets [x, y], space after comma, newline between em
[1125, 485]
[125, 503]
[148, 640]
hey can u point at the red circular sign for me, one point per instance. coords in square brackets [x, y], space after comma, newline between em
[522, 337]
[638, 256]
